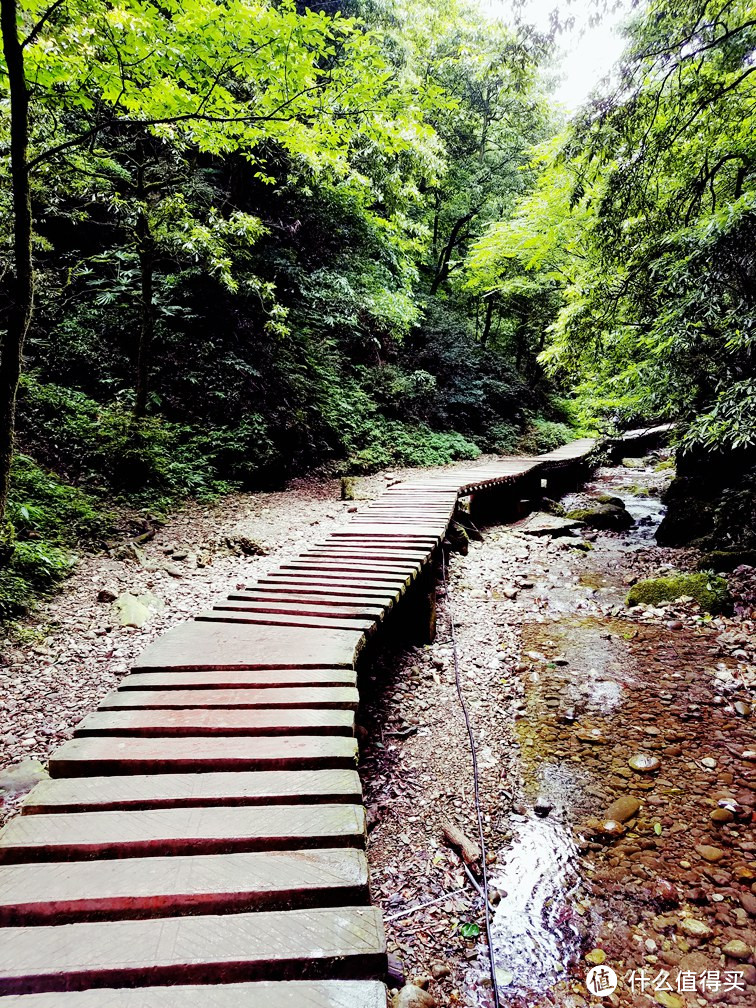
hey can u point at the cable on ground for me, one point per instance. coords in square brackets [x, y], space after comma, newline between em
[476, 781]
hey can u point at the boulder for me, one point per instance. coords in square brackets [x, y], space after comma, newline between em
[22, 777]
[603, 516]
[541, 523]
[709, 591]
[412, 996]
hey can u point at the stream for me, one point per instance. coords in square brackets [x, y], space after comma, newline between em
[567, 687]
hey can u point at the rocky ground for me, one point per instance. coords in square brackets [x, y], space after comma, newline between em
[615, 746]
[616, 758]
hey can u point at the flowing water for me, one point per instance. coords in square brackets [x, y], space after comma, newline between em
[542, 924]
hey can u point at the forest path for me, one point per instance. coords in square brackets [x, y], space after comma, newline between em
[199, 782]
[61, 659]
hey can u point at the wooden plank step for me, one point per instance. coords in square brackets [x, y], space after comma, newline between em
[333, 580]
[374, 552]
[251, 678]
[63, 893]
[170, 831]
[307, 944]
[315, 697]
[262, 994]
[99, 756]
[341, 609]
[194, 645]
[251, 618]
[298, 586]
[161, 790]
[392, 541]
[198, 722]
[288, 598]
[389, 569]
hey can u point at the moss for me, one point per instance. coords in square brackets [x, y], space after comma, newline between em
[727, 560]
[637, 490]
[708, 590]
[609, 499]
[664, 464]
[603, 516]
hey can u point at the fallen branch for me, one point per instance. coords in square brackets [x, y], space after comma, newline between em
[454, 836]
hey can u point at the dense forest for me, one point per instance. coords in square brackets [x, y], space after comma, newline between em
[247, 239]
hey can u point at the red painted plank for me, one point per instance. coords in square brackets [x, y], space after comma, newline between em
[177, 790]
[86, 756]
[168, 831]
[123, 888]
[262, 994]
[198, 722]
[306, 944]
[326, 698]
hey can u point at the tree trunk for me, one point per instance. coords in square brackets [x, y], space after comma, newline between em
[442, 268]
[21, 284]
[487, 323]
[147, 320]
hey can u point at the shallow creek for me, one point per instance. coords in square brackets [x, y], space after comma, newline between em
[565, 687]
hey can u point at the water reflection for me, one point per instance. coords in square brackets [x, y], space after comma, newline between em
[536, 930]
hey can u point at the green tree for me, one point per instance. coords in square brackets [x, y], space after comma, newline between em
[215, 76]
[644, 219]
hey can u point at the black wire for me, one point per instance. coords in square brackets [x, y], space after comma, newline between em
[476, 781]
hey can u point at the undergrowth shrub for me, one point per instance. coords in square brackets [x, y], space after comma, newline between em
[390, 443]
[48, 518]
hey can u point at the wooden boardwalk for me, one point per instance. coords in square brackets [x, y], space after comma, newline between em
[201, 841]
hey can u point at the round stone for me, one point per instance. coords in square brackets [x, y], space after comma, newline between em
[709, 853]
[721, 815]
[695, 928]
[643, 763]
[737, 949]
[597, 956]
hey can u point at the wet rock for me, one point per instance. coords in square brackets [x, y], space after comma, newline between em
[412, 996]
[592, 735]
[604, 829]
[541, 524]
[748, 902]
[694, 928]
[623, 808]
[644, 763]
[709, 853]
[548, 506]
[711, 593]
[542, 806]
[610, 499]
[737, 949]
[603, 516]
[664, 893]
[595, 957]
[742, 708]
[721, 816]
